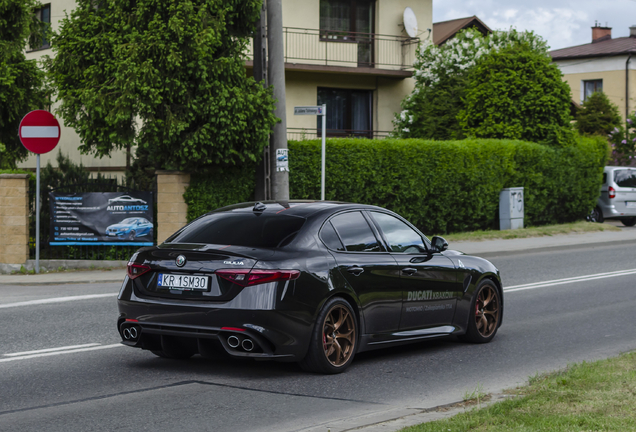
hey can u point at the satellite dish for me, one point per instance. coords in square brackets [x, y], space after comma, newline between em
[410, 22]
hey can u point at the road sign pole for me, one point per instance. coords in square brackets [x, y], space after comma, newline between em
[37, 215]
[324, 151]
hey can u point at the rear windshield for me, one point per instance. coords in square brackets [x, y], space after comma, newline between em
[625, 178]
[241, 229]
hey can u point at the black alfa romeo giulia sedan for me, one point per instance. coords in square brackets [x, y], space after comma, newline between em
[309, 282]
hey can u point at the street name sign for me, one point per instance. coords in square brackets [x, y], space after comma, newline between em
[39, 131]
[309, 110]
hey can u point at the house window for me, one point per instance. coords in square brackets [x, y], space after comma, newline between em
[348, 112]
[43, 14]
[591, 87]
[349, 21]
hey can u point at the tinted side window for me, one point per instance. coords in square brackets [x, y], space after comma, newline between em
[329, 236]
[401, 237]
[355, 232]
[625, 178]
[604, 178]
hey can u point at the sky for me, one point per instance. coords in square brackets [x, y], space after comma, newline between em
[563, 23]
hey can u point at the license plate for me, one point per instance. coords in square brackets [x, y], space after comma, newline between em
[630, 204]
[183, 282]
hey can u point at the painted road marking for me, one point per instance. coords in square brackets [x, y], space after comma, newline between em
[64, 348]
[69, 351]
[569, 280]
[56, 300]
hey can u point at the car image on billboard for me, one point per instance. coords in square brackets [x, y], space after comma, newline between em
[130, 228]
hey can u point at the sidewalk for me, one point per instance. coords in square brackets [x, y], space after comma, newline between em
[66, 277]
[487, 248]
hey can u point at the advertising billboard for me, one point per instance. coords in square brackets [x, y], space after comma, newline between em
[101, 218]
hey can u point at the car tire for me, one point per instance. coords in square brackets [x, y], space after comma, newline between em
[334, 340]
[485, 314]
[629, 222]
[131, 235]
[596, 215]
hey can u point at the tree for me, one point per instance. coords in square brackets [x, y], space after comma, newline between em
[497, 86]
[518, 93]
[597, 116]
[167, 77]
[430, 111]
[22, 83]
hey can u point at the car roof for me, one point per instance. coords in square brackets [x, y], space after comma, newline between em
[298, 208]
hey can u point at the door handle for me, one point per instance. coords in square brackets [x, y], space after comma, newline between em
[355, 270]
[409, 271]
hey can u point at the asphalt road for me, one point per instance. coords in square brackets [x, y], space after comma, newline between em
[98, 385]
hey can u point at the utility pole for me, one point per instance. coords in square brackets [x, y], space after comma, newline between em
[263, 190]
[276, 75]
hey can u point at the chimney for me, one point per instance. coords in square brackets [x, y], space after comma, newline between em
[632, 31]
[600, 34]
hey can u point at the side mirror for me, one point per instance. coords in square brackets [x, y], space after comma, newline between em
[439, 244]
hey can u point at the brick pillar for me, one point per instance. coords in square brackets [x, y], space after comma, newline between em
[14, 218]
[171, 207]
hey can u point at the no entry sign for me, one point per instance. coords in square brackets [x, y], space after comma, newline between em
[39, 131]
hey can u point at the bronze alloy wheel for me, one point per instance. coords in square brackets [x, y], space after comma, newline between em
[339, 335]
[487, 311]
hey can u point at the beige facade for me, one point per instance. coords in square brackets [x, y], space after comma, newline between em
[611, 71]
[69, 140]
[312, 62]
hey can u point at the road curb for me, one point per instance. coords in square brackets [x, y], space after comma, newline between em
[427, 415]
[554, 248]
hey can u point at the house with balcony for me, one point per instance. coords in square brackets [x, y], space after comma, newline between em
[605, 64]
[353, 55]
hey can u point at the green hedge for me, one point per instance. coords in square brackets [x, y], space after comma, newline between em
[218, 188]
[441, 186]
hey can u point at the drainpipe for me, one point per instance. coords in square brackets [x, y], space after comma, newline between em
[627, 87]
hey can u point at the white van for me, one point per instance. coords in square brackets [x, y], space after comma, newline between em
[618, 196]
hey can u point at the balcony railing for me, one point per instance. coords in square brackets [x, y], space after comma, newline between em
[301, 134]
[348, 49]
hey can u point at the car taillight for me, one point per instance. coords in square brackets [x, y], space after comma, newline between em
[244, 277]
[136, 270]
[611, 192]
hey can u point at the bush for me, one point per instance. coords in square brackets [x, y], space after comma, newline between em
[440, 186]
[501, 86]
[598, 116]
[518, 93]
[218, 188]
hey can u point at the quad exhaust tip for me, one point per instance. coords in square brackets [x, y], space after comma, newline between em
[247, 344]
[233, 342]
[130, 333]
[236, 342]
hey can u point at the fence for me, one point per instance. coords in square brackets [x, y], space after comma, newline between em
[301, 134]
[349, 49]
[80, 252]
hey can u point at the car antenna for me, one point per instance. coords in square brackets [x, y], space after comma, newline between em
[259, 207]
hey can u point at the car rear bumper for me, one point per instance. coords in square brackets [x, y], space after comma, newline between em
[280, 335]
[613, 212]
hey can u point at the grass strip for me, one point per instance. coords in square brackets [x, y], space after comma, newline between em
[580, 227]
[589, 396]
